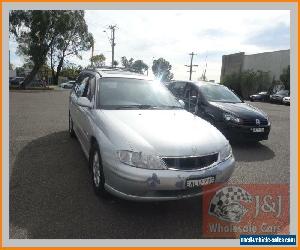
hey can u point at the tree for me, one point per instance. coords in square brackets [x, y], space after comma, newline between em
[116, 63]
[73, 39]
[248, 82]
[71, 71]
[162, 69]
[36, 32]
[98, 60]
[126, 63]
[139, 66]
[285, 77]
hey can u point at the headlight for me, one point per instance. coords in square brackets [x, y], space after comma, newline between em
[226, 152]
[140, 160]
[229, 117]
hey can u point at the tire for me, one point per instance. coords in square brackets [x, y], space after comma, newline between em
[97, 173]
[71, 129]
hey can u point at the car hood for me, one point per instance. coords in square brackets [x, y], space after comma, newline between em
[163, 132]
[242, 110]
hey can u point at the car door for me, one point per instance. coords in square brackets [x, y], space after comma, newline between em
[80, 90]
[195, 103]
[86, 114]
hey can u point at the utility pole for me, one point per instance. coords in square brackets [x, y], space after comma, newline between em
[191, 65]
[112, 42]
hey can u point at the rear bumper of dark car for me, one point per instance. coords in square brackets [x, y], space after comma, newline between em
[244, 133]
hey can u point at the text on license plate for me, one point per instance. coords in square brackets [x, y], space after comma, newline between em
[200, 182]
[258, 130]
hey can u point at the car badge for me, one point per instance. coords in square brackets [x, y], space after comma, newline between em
[257, 122]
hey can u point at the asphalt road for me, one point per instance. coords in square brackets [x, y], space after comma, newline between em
[51, 195]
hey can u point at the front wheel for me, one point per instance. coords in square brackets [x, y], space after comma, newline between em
[97, 171]
[71, 129]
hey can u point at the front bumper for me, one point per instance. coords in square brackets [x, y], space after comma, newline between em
[244, 133]
[153, 185]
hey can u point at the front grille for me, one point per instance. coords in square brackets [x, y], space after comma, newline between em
[252, 122]
[189, 163]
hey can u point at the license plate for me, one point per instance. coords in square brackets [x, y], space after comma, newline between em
[258, 130]
[200, 182]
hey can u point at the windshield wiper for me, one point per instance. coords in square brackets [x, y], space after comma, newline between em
[171, 107]
[141, 106]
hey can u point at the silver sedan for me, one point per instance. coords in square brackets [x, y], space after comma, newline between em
[140, 142]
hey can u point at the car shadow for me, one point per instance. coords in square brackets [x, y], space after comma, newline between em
[51, 197]
[251, 151]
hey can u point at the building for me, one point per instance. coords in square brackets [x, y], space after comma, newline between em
[272, 62]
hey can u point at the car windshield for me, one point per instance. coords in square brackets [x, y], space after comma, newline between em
[218, 93]
[126, 93]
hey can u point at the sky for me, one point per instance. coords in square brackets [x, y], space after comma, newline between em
[174, 34]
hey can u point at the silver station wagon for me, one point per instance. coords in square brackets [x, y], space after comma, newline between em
[140, 142]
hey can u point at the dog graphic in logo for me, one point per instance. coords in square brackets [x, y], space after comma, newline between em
[226, 205]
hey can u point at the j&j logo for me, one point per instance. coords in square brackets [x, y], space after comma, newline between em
[226, 204]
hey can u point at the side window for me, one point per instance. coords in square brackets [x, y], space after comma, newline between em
[177, 88]
[81, 86]
[191, 90]
[91, 88]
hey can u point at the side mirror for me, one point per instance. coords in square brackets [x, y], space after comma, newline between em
[84, 102]
[193, 99]
[181, 103]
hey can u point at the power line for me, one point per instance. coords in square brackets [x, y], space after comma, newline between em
[191, 65]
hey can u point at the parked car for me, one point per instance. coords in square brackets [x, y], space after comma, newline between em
[224, 109]
[286, 100]
[67, 85]
[278, 97]
[261, 96]
[140, 142]
[17, 81]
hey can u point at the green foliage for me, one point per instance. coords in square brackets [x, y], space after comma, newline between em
[35, 31]
[40, 32]
[233, 81]
[72, 39]
[71, 71]
[285, 77]
[247, 82]
[20, 71]
[98, 60]
[137, 66]
[126, 63]
[116, 63]
[162, 69]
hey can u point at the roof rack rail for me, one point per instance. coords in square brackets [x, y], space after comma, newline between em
[110, 68]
